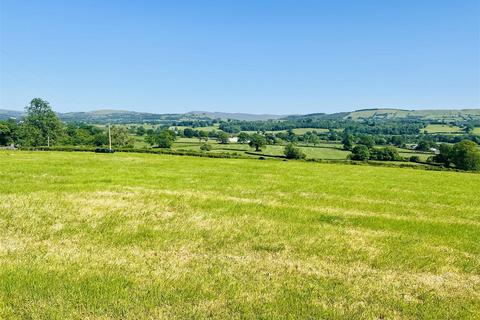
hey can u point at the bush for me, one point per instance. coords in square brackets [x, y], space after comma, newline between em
[104, 150]
[360, 152]
[206, 147]
[385, 154]
[414, 159]
[291, 152]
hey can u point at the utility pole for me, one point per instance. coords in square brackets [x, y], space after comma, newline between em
[109, 138]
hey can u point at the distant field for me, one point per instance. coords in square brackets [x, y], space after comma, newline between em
[440, 128]
[325, 151]
[129, 236]
[209, 128]
[476, 130]
[321, 151]
[300, 131]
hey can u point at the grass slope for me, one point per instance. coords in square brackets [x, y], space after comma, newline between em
[86, 235]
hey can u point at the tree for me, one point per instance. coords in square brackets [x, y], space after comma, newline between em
[360, 152]
[121, 137]
[8, 132]
[100, 139]
[385, 154]
[162, 139]
[202, 135]
[222, 137]
[313, 139]
[333, 135]
[140, 131]
[243, 137]
[292, 152]
[466, 155]
[468, 128]
[41, 125]
[398, 141]
[257, 141]
[367, 141]
[425, 145]
[347, 142]
[189, 133]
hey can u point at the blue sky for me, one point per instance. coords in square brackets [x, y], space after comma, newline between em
[240, 56]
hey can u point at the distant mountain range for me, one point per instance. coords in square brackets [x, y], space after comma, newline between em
[235, 116]
[378, 114]
[122, 116]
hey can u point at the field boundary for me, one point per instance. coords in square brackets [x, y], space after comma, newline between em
[389, 164]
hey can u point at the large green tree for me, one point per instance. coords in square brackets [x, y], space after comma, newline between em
[222, 137]
[41, 126]
[347, 141]
[257, 141]
[360, 152]
[121, 137]
[162, 139]
[466, 155]
[243, 137]
[8, 132]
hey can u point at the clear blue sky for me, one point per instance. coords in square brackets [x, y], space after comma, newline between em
[240, 56]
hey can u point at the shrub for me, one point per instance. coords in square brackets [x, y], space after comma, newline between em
[291, 152]
[360, 152]
[206, 147]
[385, 154]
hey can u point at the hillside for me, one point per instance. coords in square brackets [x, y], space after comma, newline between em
[123, 116]
[235, 116]
[395, 114]
[116, 116]
[131, 236]
[447, 115]
[8, 114]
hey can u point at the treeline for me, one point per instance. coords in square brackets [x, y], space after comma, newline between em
[41, 127]
[235, 126]
[397, 127]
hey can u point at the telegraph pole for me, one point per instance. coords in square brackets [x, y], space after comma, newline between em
[109, 138]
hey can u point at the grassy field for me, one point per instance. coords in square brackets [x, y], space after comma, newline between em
[321, 151]
[305, 130]
[440, 128]
[210, 128]
[131, 236]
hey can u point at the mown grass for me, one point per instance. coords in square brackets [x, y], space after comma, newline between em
[131, 236]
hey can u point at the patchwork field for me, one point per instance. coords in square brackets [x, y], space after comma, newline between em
[131, 236]
[441, 128]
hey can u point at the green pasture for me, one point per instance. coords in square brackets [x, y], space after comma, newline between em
[142, 236]
[442, 128]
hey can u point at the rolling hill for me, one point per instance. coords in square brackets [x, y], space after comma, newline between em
[124, 116]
